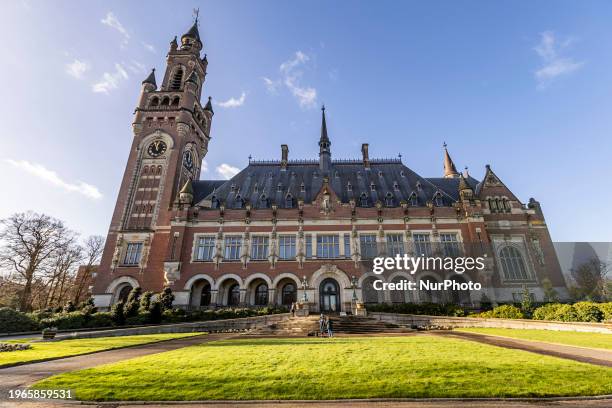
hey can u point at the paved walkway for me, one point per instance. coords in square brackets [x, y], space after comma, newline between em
[581, 354]
[27, 374]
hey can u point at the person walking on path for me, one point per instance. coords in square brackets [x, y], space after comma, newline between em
[330, 328]
[322, 325]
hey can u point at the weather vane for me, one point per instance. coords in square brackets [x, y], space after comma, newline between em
[196, 13]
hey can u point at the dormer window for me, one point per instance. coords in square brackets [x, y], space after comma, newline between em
[389, 201]
[413, 200]
[380, 174]
[289, 201]
[263, 201]
[438, 200]
[372, 186]
[402, 174]
[256, 188]
[214, 203]
[396, 186]
[238, 202]
[279, 187]
[349, 186]
[302, 187]
[363, 200]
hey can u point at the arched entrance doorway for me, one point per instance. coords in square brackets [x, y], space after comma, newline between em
[329, 296]
[124, 292]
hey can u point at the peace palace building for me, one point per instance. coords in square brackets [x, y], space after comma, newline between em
[288, 230]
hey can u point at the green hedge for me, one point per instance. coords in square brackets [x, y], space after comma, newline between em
[431, 309]
[12, 321]
[503, 312]
[578, 312]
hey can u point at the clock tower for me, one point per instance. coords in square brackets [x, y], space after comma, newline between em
[171, 130]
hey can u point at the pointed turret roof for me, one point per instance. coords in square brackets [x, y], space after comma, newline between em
[193, 31]
[324, 137]
[208, 106]
[449, 167]
[151, 78]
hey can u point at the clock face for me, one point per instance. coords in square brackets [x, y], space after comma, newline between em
[157, 148]
[188, 160]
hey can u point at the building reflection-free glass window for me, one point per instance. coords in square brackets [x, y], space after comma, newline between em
[205, 248]
[232, 248]
[132, 253]
[286, 246]
[367, 242]
[328, 246]
[422, 244]
[259, 248]
[395, 244]
[450, 245]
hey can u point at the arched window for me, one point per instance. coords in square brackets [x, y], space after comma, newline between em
[263, 201]
[165, 101]
[289, 201]
[413, 200]
[349, 186]
[205, 297]
[155, 101]
[363, 200]
[289, 294]
[214, 203]
[175, 101]
[233, 295]
[302, 187]
[438, 200]
[124, 293]
[513, 265]
[389, 202]
[177, 80]
[261, 295]
[238, 202]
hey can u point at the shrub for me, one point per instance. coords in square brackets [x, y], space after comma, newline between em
[100, 319]
[166, 297]
[526, 303]
[156, 312]
[14, 321]
[117, 313]
[69, 307]
[588, 312]
[14, 346]
[504, 312]
[65, 321]
[606, 309]
[565, 313]
[546, 312]
[145, 301]
[140, 318]
[432, 309]
[88, 307]
[41, 314]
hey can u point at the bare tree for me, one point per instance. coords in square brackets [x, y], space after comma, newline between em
[93, 248]
[64, 274]
[590, 278]
[30, 242]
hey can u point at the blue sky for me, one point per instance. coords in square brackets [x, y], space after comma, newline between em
[524, 86]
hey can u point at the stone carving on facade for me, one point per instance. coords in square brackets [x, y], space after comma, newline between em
[172, 272]
[300, 254]
[273, 256]
[117, 253]
[537, 249]
[146, 247]
[218, 256]
[355, 256]
[245, 256]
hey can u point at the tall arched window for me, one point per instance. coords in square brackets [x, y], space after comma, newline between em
[289, 295]
[205, 297]
[413, 200]
[177, 80]
[261, 295]
[389, 202]
[513, 265]
[438, 200]
[289, 201]
[233, 296]
[363, 200]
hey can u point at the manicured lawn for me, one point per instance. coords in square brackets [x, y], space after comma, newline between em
[311, 368]
[64, 348]
[593, 340]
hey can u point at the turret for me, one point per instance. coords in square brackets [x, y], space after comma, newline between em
[450, 171]
[324, 146]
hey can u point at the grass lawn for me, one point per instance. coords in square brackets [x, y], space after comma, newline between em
[64, 348]
[311, 368]
[593, 340]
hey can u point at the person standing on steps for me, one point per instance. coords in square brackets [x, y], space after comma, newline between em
[292, 309]
[330, 328]
[321, 325]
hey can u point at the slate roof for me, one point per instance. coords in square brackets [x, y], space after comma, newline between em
[388, 181]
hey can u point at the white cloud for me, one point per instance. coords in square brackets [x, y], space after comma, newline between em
[233, 102]
[226, 171]
[110, 80]
[554, 65]
[148, 47]
[77, 68]
[51, 177]
[291, 76]
[136, 67]
[112, 21]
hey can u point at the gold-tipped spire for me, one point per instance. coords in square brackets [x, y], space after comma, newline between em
[450, 171]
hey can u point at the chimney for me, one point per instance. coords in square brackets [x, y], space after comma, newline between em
[284, 156]
[366, 155]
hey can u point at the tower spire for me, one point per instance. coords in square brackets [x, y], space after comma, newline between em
[151, 78]
[450, 171]
[324, 145]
